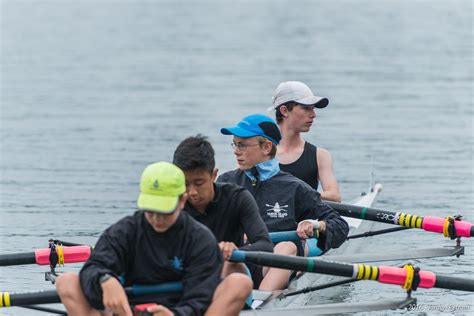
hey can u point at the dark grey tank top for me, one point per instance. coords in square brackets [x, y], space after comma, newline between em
[305, 167]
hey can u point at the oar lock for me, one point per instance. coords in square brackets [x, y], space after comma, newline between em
[413, 277]
[56, 257]
[449, 229]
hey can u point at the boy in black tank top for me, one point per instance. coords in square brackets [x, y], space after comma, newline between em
[305, 167]
[294, 104]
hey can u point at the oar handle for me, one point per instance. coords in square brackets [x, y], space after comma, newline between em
[168, 287]
[289, 235]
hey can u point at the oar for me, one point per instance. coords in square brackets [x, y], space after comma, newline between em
[407, 276]
[449, 227]
[82, 253]
[289, 235]
[41, 256]
[8, 299]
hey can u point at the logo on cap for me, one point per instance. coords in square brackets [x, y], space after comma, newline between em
[161, 185]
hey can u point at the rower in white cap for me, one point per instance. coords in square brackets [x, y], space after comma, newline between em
[294, 104]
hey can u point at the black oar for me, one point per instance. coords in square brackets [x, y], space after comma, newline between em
[17, 259]
[8, 299]
[408, 276]
[450, 226]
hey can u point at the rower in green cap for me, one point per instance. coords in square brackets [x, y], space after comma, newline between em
[157, 244]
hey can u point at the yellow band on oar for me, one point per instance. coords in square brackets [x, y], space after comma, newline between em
[410, 275]
[401, 219]
[375, 273]
[60, 251]
[416, 221]
[408, 220]
[367, 272]
[446, 226]
[360, 271]
[404, 220]
[4, 299]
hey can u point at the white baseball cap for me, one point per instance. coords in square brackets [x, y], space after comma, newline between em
[297, 92]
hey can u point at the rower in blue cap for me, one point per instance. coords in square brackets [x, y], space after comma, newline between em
[285, 202]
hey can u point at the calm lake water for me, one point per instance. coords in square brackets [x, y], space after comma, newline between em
[93, 91]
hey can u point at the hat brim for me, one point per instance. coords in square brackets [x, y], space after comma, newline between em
[317, 102]
[156, 203]
[238, 131]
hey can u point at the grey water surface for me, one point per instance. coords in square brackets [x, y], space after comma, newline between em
[93, 91]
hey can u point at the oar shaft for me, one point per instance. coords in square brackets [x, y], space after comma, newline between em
[8, 299]
[453, 283]
[18, 299]
[293, 263]
[428, 223]
[14, 259]
[370, 214]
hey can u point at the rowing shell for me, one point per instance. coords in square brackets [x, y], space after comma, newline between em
[265, 301]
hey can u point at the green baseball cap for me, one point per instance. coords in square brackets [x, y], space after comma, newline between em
[160, 187]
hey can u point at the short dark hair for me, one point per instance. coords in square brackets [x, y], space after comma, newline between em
[193, 153]
[289, 105]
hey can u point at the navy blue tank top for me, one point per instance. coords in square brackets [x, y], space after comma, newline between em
[305, 167]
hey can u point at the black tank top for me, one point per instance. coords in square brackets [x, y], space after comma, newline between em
[305, 167]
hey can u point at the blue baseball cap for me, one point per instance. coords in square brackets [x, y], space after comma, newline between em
[255, 125]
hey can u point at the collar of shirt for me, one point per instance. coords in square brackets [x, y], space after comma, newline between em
[209, 208]
[265, 170]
